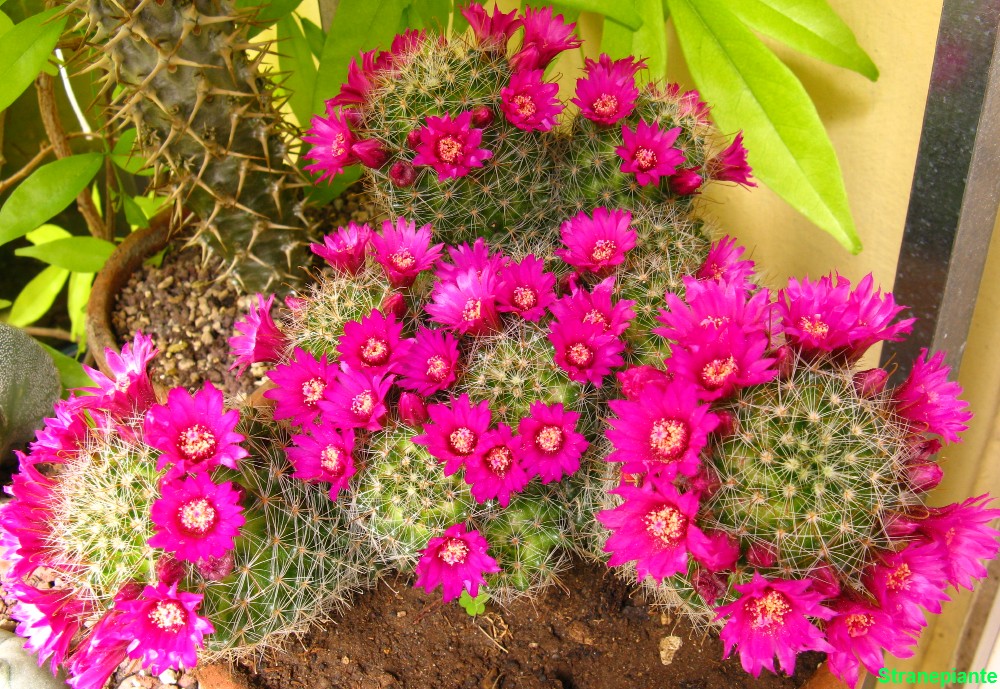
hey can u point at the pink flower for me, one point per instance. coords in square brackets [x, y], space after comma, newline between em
[195, 519]
[906, 581]
[332, 139]
[929, 401]
[526, 289]
[455, 561]
[724, 264]
[48, 619]
[712, 309]
[360, 82]
[663, 432]
[346, 249]
[476, 257]
[370, 153]
[63, 435]
[655, 527]
[608, 92]
[636, 379]
[430, 363]
[495, 472]
[25, 521]
[597, 243]
[529, 103]
[450, 146]
[545, 37]
[373, 344]
[492, 31]
[771, 618]
[324, 454]
[689, 103]
[861, 632]
[814, 314]
[585, 351]
[98, 655]
[356, 400]
[731, 164]
[720, 365]
[550, 445]
[595, 307]
[260, 339]
[964, 538]
[194, 433]
[404, 45]
[467, 304]
[301, 384]
[404, 251]
[872, 314]
[131, 392]
[649, 153]
[163, 627]
[455, 431]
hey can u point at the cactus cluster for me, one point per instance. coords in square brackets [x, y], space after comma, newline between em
[208, 123]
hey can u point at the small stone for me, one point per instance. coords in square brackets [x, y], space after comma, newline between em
[345, 660]
[19, 669]
[168, 677]
[669, 645]
[401, 613]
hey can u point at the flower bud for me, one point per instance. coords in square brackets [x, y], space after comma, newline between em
[709, 585]
[394, 304]
[170, 570]
[899, 525]
[784, 361]
[825, 581]
[727, 424]
[413, 138]
[216, 568]
[871, 382]
[635, 380]
[402, 174]
[371, 153]
[762, 554]
[482, 116]
[412, 410]
[924, 476]
[685, 181]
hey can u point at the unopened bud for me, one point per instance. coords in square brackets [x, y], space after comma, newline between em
[412, 409]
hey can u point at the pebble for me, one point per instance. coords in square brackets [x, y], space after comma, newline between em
[669, 645]
[19, 669]
[168, 677]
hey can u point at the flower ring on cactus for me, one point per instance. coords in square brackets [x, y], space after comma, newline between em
[324, 454]
[529, 103]
[260, 340]
[346, 249]
[598, 242]
[196, 519]
[455, 431]
[450, 146]
[300, 384]
[455, 561]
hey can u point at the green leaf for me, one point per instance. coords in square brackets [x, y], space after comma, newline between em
[151, 205]
[751, 88]
[474, 606]
[357, 26]
[651, 39]
[79, 254]
[126, 156]
[314, 35]
[37, 296]
[6, 24]
[458, 22]
[4, 303]
[269, 12]
[71, 373]
[321, 194]
[622, 12]
[434, 13]
[133, 213]
[809, 26]
[296, 60]
[76, 304]
[24, 50]
[46, 234]
[46, 192]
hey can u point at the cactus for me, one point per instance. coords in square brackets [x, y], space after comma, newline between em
[29, 384]
[207, 122]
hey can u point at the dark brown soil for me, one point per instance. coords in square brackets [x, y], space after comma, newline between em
[588, 633]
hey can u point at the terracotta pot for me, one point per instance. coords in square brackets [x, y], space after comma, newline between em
[124, 261]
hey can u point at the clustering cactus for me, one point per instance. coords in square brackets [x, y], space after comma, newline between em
[208, 123]
[29, 385]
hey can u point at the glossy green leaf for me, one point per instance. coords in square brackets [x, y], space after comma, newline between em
[323, 193]
[315, 36]
[134, 214]
[296, 60]
[79, 254]
[76, 305]
[650, 41]
[809, 26]
[269, 12]
[46, 192]
[71, 373]
[434, 14]
[4, 303]
[24, 50]
[6, 24]
[46, 234]
[37, 296]
[127, 157]
[751, 89]
[616, 39]
[357, 26]
[152, 205]
[622, 12]
[458, 22]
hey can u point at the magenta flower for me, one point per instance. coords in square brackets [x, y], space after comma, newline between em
[332, 139]
[929, 401]
[526, 289]
[194, 432]
[720, 365]
[731, 164]
[686, 181]
[260, 339]
[467, 304]
[585, 350]
[430, 363]
[465, 258]
[373, 345]
[301, 384]
[404, 45]
[404, 251]
[345, 250]
[456, 562]
[724, 264]
[324, 454]
[636, 379]
[492, 31]
[551, 447]
[63, 435]
[872, 313]
[595, 307]
[597, 243]
[608, 92]
[360, 83]
[545, 36]
[689, 103]
[495, 472]
[907, 581]
[964, 538]
[771, 618]
[455, 431]
[655, 527]
[814, 314]
[163, 627]
[356, 400]
[131, 392]
[450, 146]
[98, 655]
[529, 103]
[663, 432]
[859, 633]
[649, 153]
[25, 521]
[711, 310]
[48, 619]
[195, 519]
